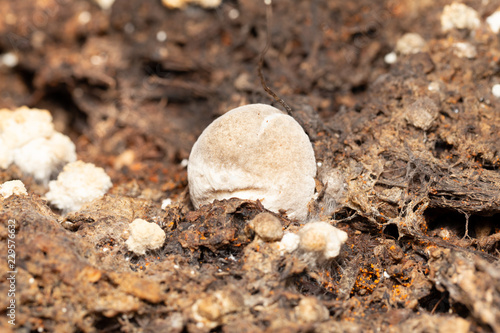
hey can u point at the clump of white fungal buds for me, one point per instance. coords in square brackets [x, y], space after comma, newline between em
[28, 139]
[144, 236]
[254, 152]
[410, 43]
[459, 16]
[12, 187]
[320, 241]
[315, 243]
[79, 183]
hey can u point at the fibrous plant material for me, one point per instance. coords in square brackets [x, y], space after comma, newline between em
[254, 152]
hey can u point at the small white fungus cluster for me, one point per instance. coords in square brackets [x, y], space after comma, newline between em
[79, 183]
[321, 239]
[410, 43]
[12, 187]
[494, 21]
[144, 236]
[459, 16]
[254, 152]
[316, 242]
[28, 139]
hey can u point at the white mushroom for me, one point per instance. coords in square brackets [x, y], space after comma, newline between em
[254, 152]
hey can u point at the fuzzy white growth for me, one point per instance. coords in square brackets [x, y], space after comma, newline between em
[6, 154]
[79, 183]
[254, 152]
[494, 21]
[144, 236]
[24, 125]
[410, 43]
[321, 241]
[42, 157]
[459, 16]
[12, 187]
[28, 139]
[289, 243]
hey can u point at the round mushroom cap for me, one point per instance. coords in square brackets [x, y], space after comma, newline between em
[254, 152]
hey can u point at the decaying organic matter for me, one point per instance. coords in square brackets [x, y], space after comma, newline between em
[407, 155]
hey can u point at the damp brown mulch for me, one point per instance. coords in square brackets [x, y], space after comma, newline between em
[421, 194]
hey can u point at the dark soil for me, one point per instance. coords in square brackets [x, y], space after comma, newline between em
[421, 205]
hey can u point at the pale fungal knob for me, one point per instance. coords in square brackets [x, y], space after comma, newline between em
[144, 236]
[267, 227]
[410, 43]
[254, 152]
[289, 243]
[459, 16]
[321, 240]
[24, 125]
